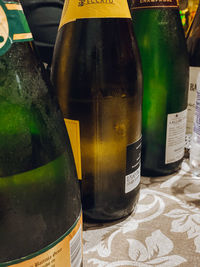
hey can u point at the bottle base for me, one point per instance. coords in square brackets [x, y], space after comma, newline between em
[109, 213]
[94, 217]
[159, 172]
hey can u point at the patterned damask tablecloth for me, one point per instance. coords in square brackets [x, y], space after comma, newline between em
[163, 232]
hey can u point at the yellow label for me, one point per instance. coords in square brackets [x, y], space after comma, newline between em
[20, 36]
[82, 9]
[73, 129]
[62, 254]
[11, 6]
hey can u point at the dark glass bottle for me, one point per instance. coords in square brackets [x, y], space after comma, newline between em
[160, 36]
[39, 191]
[97, 74]
[43, 17]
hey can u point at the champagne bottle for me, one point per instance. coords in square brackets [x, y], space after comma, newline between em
[40, 206]
[193, 46]
[162, 45]
[96, 71]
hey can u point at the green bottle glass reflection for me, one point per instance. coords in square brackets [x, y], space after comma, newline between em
[39, 191]
[163, 50]
[96, 71]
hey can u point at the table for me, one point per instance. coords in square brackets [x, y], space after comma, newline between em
[164, 231]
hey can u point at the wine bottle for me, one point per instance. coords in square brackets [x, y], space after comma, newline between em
[162, 45]
[193, 46]
[43, 18]
[97, 75]
[40, 205]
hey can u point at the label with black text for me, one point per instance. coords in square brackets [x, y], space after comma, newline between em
[175, 138]
[133, 162]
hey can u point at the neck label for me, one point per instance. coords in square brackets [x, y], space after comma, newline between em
[84, 9]
[13, 25]
[136, 4]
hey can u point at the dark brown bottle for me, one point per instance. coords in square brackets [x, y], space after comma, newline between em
[43, 17]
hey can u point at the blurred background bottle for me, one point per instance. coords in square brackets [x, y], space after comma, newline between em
[184, 13]
[97, 74]
[39, 191]
[193, 45]
[43, 17]
[187, 11]
[195, 140]
[161, 40]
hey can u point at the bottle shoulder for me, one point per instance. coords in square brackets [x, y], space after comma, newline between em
[106, 53]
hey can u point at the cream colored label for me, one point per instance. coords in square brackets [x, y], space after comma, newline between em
[73, 129]
[175, 139]
[4, 28]
[67, 252]
[81, 9]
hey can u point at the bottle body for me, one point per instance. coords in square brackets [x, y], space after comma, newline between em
[162, 46]
[38, 184]
[97, 74]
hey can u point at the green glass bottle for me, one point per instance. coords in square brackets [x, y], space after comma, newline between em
[160, 36]
[39, 191]
[96, 71]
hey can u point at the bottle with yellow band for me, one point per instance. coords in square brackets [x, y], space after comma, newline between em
[97, 75]
[82, 9]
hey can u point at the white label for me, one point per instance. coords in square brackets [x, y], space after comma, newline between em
[132, 180]
[175, 140]
[192, 92]
[197, 110]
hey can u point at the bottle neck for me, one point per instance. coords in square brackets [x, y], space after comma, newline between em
[88, 9]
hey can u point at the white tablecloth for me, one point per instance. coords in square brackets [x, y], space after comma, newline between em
[163, 232]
